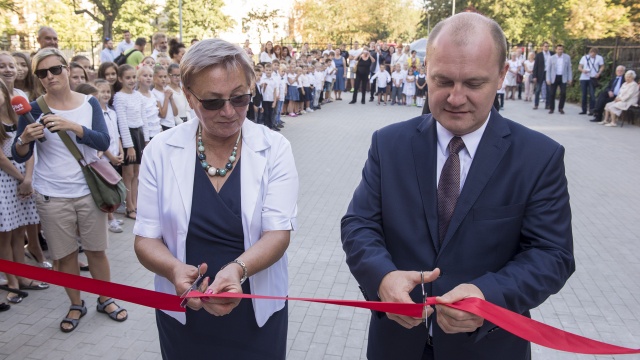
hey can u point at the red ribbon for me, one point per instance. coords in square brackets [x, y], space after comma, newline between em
[521, 326]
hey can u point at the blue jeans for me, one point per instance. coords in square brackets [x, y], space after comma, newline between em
[587, 88]
[539, 85]
[278, 112]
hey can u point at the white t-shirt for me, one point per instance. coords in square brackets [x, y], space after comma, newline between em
[355, 54]
[398, 78]
[291, 80]
[130, 110]
[282, 86]
[182, 104]
[383, 78]
[305, 79]
[151, 126]
[268, 86]
[168, 120]
[266, 58]
[589, 63]
[56, 172]
[123, 46]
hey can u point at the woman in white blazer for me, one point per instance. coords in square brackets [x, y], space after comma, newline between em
[219, 192]
[627, 96]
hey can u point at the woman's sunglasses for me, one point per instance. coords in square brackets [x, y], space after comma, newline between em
[54, 70]
[217, 104]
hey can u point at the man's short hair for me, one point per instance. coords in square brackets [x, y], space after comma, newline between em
[594, 50]
[157, 36]
[464, 26]
[545, 43]
[141, 41]
[126, 31]
[559, 45]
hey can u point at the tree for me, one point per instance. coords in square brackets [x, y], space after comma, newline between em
[200, 18]
[105, 12]
[260, 20]
[136, 17]
[318, 21]
[595, 19]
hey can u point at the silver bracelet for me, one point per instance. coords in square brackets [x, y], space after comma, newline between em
[244, 269]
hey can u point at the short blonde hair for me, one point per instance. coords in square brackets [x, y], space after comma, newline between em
[45, 53]
[213, 53]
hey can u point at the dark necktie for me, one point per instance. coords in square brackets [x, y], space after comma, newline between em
[449, 186]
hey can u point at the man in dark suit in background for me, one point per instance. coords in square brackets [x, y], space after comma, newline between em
[479, 202]
[609, 93]
[540, 74]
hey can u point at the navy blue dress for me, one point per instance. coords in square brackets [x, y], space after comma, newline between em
[216, 237]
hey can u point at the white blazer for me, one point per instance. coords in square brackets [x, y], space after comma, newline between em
[269, 186]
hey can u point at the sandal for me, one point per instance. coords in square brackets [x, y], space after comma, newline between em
[114, 314]
[31, 286]
[73, 322]
[127, 213]
[6, 288]
[17, 298]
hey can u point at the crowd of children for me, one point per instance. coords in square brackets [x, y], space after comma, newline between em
[302, 83]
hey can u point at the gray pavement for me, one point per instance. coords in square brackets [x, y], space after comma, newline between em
[601, 300]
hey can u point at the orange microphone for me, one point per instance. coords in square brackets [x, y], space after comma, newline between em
[22, 107]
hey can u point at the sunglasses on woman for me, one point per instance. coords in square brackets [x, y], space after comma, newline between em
[217, 104]
[54, 70]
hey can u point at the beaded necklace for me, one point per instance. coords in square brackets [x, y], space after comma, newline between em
[212, 171]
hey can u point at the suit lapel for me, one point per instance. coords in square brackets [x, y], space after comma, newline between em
[424, 146]
[491, 149]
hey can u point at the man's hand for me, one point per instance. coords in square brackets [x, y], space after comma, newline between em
[454, 321]
[395, 287]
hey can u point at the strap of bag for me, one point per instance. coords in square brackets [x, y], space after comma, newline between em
[73, 148]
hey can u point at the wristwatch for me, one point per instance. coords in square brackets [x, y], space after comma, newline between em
[19, 141]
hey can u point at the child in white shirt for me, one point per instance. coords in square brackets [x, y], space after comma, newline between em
[397, 78]
[168, 109]
[269, 89]
[115, 153]
[383, 79]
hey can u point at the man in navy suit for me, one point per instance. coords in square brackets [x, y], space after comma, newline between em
[508, 236]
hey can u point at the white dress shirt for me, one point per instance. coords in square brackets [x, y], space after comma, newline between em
[471, 142]
[559, 66]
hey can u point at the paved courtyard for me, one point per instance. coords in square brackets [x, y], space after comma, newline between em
[601, 300]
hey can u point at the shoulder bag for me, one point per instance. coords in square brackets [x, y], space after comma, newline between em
[106, 185]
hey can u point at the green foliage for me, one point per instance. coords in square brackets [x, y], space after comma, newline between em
[595, 19]
[135, 16]
[320, 21]
[534, 21]
[260, 20]
[200, 18]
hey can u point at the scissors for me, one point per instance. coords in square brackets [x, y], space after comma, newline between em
[191, 288]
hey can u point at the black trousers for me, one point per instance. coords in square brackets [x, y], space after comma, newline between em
[373, 87]
[361, 85]
[603, 99]
[563, 93]
[268, 113]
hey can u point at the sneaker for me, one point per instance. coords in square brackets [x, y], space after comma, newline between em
[120, 222]
[114, 227]
[302, 112]
[309, 110]
[293, 115]
[121, 209]
[384, 103]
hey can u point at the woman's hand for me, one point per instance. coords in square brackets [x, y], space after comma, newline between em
[131, 154]
[57, 123]
[227, 280]
[25, 190]
[183, 277]
[32, 132]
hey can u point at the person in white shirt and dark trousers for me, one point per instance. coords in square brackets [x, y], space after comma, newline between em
[591, 67]
[269, 89]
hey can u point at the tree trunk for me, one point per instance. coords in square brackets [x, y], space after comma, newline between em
[107, 28]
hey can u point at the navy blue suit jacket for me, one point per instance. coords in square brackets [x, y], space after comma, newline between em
[510, 233]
